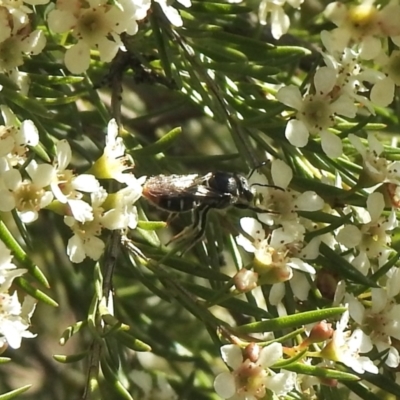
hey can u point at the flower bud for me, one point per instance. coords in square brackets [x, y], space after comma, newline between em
[321, 331]
[245, 280]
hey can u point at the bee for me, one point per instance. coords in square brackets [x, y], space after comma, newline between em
[199, 194]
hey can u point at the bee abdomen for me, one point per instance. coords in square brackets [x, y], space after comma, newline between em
[181, 204]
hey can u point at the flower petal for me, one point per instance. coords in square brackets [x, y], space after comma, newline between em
[64, 154]
[375, 205]
[331, 144]
[324, 80]
[232, 355]
[349, 236]
[277, 293]
[281, 173]
[309, 201]
[270, 354]
[297, 133]
[301, 265]
[77, 58]
[224, 385]
[290, 96]
[382, 93]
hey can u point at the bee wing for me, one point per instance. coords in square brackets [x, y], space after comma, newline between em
[170, 185]
[173, 186]
[200, 189]
[182, 193]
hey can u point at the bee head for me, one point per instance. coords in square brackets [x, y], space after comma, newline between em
[234, 184]
[244, 190]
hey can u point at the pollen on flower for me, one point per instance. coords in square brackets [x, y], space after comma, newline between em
[28, 197]
[64, 179]
[363, 25]
[363, 20]
[316, 113]
[92, 23]
[268, 257]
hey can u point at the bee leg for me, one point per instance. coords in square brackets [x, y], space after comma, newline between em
[186, 232]
[182, 234]
[262, 210]
[199, 224]
[171, 217]
[195, 231]
[255, 209]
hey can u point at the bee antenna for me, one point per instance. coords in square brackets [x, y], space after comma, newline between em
[256, 168]
[261, 184]
[270, 186]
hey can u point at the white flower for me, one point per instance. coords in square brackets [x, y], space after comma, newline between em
[67, 186]
[316, 112]
[381, 322]
[114, 162]
[85, 241]
[14, 18]
[372, 238]
[81, 246]
[364, 25]
[14, 319]
[352, 78]
[171, 13]
[8, 270]
[274, 248]
[382, 93]
[275, 256]
[123, 213]
[376, 169]
[137, 8]
[284, 201]
[26, 196]
[13, 49]
[110, 211]
[280, 22]
[93, 22]
[346, 346]
[251, 377]
[281, 251]
[14, 141]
